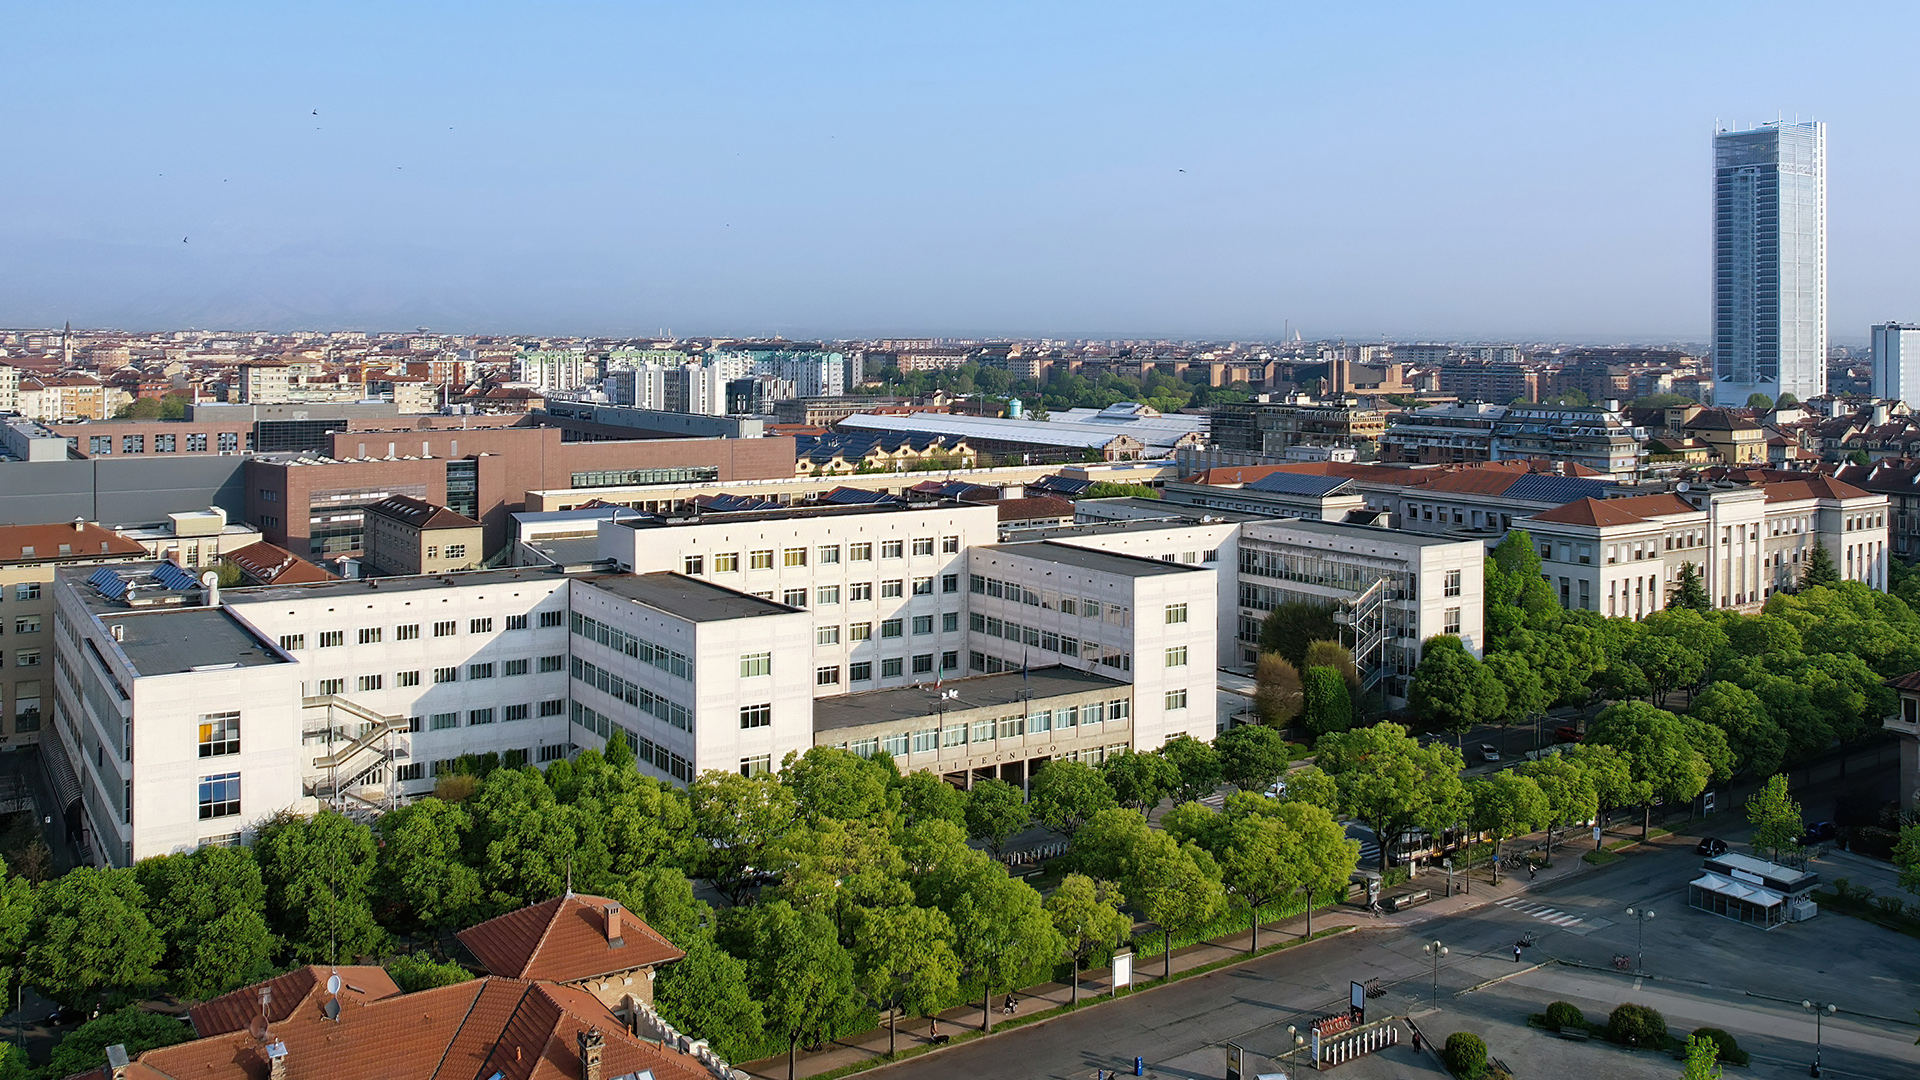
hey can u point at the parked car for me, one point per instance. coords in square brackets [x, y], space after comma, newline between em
[61, 1016]
[1710, 846]
[1489, 752]
[1818, 833]
[1567, 733]
[1278, 790]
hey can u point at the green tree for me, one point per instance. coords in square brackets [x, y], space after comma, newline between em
[1689, 591]
[1569, 791]
[91, 933]
[737, 820]
[318, 872]
[829, 782]
[1391, 782]
[924, 796]
[801, 975]
[1107, 489]
[903, 961]
[1527, 690]
[1086, 914]
[1507, 804]
[1278, 694]
[1452, 689]
[707, 994]
[423, 871]
[838, 867]
[663, 898]
[1703, 1057]
[1252, 756]
[1174, 885]
[85, 1048]
[1758, 742]
[208, 906]
[16, 919]
[999, 928]
[1065, 794]
[1658, 751]
[1311, 785]
[1323, 855]
[1328, 706]
[1253, 852]
[1610, 774]
[1820, 569]
[1291, 627]
[1140, 780]
[1775, 816]
[995, 811]
[413, 972]
[1759, 402]
[1332, 654]
[1198, 765]
[527, 844]
[624, 821]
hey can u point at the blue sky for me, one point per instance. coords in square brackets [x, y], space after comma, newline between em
[1418, 170]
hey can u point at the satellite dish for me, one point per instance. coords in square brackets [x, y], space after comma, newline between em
[333, 984]
[258, 1028]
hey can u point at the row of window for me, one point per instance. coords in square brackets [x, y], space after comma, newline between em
[638, 696]
[728, 562]
[486, 669]
[24, 624]
[375, 635]
[1085, 607]
[932, 740]
[29, 590]
[644, 749]
[668, 660]
[102, 445]
[22, 658]
[891, 667]
[889, 628]
[446, 721]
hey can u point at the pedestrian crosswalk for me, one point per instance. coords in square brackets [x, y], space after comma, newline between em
[1369, 849]
[1215, 801]
[1551, 915]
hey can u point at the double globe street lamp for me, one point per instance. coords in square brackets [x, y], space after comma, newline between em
[1818, 1009]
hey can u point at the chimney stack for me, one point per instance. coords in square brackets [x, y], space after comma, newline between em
[592, 1045]
[615, 937]
[117, 1061]
[277, 1061]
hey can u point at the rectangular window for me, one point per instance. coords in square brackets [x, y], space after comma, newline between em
[371, 682]
[456, 551]
[480, 626]
[923, 545]
[1453, 583]
[758, 663]
[1176, 613]
[923, 664]
[794, 598]
[476, 717]
[479, 671]
[859, 552]
[441, 721]
[219, 795]
[515, 667]
[516, 622]
[826, 594]
[982, 732]
[953, 735]
[922, 624]
[551, 618]
[1119, 710]
[926, 741]
[950, 660]
[693, 565]
[1068, 717]
[829, 554]
[1177, 656]
[410, 632]
[1012, 726]
[760, 560]
[950, 583]
[549, 664]
[1452, 622]
[892, 590]
[415, 771]
[923, 586]
[950, 545]
[446, 628]
[293, 642]
[891, 667]
[370, 635]
[1176, 699]
[950, 622]
[890, 628]
[332, 687]
[756, 716]
[1089, 608]
[794, 557]
[727, 562]
[892, 549]
[406, 678]
[860, 631]
[27, 590]
[860, 671]
[827, 676]
[552, 752]
[553, 708]
[219, 734]
[758, 765]
[860, 590]
[826, 635]
[446, 674]
[331, 638]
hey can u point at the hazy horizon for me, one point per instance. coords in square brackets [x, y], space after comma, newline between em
[1407, 172]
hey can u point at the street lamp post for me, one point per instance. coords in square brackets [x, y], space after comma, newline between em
[1435, 950]
[1818, 1009]
[1296, 1041]
[1640, 917]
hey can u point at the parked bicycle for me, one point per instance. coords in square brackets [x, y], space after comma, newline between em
[1623, 962]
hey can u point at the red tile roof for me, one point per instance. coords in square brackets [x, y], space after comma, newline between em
[270, 564]
[1616, 511]
[84, 540]
[565, 940]
[1816, 487]
[291, 991]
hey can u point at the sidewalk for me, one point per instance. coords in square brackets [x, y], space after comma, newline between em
[872, 1045]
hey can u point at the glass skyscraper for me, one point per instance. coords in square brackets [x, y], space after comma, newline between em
[1770, 262]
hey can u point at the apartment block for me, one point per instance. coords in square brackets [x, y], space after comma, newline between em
[30, 557]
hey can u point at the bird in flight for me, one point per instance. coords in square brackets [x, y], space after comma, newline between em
[1183, 170]
[316, 112]
[183, 239]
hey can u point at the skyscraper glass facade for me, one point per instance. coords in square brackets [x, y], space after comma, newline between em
[1770, 262]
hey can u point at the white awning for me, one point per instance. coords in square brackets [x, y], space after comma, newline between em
[1736, 890]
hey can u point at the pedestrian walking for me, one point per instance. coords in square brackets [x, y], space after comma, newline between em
[933, 1029]
[1416, 1040]
[1531, 871]
[1516, 954]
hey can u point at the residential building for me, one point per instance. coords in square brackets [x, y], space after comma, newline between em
[1898, 481]
[1273, 425]
[30, 556]
[1596, 438]
[1770, 262]
[405, 535]
[194, 538]
[9, 388]
[265, 564]
[1896, 362]
[263, 382]
[1031, 439]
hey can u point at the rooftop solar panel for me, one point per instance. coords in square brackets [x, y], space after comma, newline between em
[174, 576]
[1297, 484]
[111, 585]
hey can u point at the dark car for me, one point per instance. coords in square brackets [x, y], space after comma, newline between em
[1567, 733]
[1710, 846]
[1818, 833]
[62, 1015]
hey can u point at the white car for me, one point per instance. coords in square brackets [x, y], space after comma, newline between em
[1277, 791]
[1488, 752]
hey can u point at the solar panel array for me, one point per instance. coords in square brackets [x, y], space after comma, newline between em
[175, 576]
[111, 585]
[846, 496]
[1559, 490]
[1298, 484]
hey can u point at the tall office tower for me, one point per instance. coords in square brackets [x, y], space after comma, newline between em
[1770, 262]
[1896, 362]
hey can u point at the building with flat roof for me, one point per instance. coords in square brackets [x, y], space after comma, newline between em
[1770, 262]
[30, 557]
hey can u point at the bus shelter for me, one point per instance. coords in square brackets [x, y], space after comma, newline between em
[1738, 900]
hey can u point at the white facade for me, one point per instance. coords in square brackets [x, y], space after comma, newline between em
[883, 585]
[1896, 362]
[1141, 621]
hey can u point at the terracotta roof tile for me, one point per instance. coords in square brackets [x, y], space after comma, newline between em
[1596, 512]
[565, 940]
[233, 1012]
[83, 541]
[270, 564]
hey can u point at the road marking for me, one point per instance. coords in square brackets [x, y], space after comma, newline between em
[1550, 915]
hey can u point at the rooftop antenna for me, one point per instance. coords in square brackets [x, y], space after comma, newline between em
[569, 875]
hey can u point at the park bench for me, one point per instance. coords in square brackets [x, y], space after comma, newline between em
[1408, 899]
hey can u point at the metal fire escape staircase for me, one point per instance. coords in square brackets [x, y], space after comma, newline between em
[1365, 619]
[362, 745]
